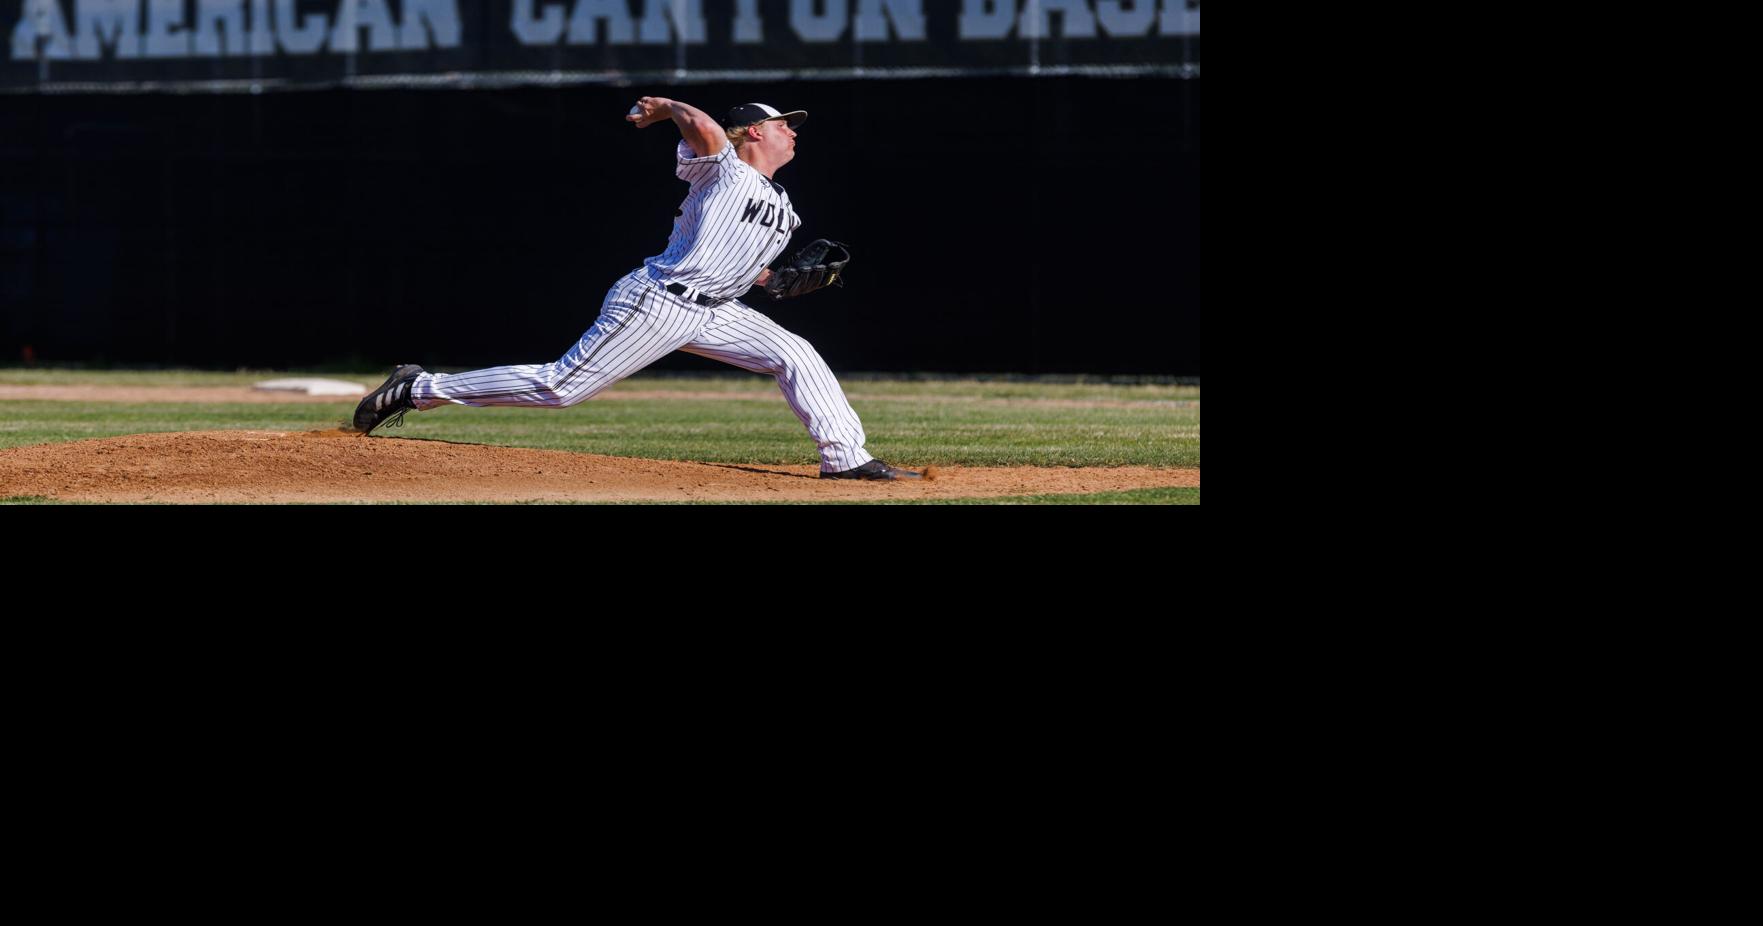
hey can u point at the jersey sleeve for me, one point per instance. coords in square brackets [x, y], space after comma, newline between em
[694, 170]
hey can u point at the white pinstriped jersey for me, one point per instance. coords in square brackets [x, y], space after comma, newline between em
[733, 222]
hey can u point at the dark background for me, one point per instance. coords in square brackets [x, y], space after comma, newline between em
[1043, 225]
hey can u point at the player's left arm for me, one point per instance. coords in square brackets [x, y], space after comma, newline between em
[703, 133]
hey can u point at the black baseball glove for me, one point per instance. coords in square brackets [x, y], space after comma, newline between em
[808, 270]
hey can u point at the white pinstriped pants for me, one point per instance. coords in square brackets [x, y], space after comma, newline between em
[639, 323]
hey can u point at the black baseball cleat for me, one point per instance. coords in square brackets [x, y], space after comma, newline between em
[874, 469]
[389, 402]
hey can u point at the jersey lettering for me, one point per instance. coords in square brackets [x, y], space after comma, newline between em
[733, 222]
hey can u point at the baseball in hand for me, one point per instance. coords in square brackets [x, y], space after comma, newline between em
[637, 110]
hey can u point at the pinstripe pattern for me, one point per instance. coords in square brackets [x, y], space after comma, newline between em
[740, 336]
[641, 323]
[733, 222]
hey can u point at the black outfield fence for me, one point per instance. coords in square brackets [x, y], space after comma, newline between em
[1038, 225]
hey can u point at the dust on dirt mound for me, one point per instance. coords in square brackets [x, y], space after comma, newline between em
[344, 466]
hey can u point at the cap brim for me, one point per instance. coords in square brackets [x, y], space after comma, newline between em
[796, 118]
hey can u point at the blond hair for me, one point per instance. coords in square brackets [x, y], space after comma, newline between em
[737, 136]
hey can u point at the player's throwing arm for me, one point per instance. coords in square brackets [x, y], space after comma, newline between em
[700, 131]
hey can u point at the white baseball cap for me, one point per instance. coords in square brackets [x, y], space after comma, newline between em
[749, 113]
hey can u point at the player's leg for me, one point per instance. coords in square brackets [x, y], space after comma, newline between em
[742, 337]
[638, 325]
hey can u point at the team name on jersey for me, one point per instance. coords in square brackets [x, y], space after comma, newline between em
[772, 213]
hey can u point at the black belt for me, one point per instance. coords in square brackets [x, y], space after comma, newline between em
[701, 299]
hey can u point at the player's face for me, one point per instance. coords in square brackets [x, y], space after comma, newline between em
[780, 139]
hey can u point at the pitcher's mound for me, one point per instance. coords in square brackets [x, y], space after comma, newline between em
[343, 466]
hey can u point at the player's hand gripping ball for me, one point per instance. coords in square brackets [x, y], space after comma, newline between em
[649, 110]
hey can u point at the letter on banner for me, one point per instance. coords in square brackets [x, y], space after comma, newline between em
[302, 39]
[442, 18]
[906, 15]
[220, 28]
[818, 27]
[1126, 19]
[543, 29]
[748, 28]
[584, 25]
[661, 18]
[41, 19]
[106, 22]
[987, 19]
[353, 15]
[167, 36]
[1077, 22]
[1180, 17]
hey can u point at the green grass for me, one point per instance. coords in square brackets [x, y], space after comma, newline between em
[27, 376]
[33, 422]
[1160, 496]
[1164, 496]
[909, 422]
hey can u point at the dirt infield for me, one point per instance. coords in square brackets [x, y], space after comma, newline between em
[204, 467]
